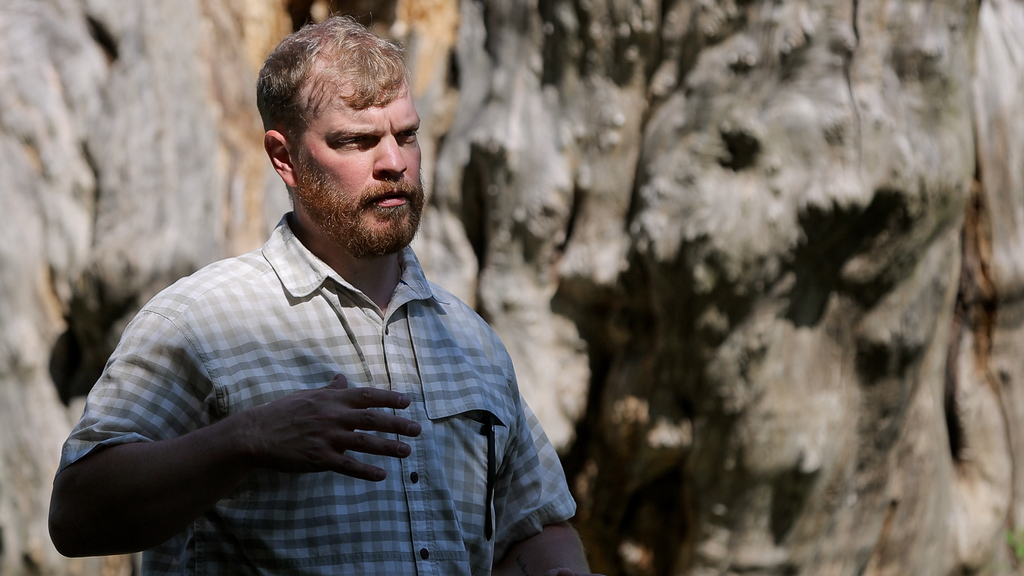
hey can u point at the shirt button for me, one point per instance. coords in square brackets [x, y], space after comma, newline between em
[424, 553]
[414, 477]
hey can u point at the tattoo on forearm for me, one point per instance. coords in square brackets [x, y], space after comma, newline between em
[522, 566]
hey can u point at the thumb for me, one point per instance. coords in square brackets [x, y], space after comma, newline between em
[340, 382]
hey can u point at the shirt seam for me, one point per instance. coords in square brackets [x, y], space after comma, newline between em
[191, 339]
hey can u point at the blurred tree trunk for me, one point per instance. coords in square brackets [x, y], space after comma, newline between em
[759, 263]
[131, 156]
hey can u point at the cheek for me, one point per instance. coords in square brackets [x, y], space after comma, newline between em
[412, 160]
[349, 174]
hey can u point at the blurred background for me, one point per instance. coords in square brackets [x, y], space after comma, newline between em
[759, 263]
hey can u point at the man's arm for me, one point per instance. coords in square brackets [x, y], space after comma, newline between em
[556, 550]
[130, 497]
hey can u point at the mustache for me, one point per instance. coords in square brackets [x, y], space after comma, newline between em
[380, 190]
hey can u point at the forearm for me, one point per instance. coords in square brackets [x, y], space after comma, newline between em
[134, 496]
[557, 546]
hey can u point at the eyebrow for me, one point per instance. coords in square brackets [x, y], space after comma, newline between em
[343, 134]
[415, 125]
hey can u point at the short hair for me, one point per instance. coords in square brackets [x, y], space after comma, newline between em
[336, 58]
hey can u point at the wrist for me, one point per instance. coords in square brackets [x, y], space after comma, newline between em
[244, 442]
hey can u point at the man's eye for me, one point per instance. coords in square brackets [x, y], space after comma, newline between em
[353, 142]
[407, 137]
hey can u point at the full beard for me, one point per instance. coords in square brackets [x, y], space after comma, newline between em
[356, 222]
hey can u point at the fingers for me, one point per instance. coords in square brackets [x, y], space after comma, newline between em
[360, 399]
[367, 444]
[373, 398]
[322, 429]
[378, 421]
[371, 444]
[356, 469]
[367, 397]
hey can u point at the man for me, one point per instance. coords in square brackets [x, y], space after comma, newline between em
[317, 406]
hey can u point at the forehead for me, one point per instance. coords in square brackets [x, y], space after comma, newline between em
[399, 114]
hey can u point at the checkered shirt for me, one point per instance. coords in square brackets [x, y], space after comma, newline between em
[251, 329]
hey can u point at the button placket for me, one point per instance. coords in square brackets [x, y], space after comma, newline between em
[405, 379]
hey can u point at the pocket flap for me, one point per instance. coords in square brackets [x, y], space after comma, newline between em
[463, 366]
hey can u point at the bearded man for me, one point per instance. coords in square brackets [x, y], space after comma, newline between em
[317, 406]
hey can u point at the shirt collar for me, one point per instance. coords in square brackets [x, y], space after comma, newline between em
[301, 272]
[413, 278]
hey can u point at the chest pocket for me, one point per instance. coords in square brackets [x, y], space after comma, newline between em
[472, 403]
[472, 445]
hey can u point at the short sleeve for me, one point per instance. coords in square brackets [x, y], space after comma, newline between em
[532, 491]
[154, 387]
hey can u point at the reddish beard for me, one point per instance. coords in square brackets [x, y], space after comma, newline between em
[355, 221]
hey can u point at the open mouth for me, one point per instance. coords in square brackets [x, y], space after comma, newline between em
[390, 201]
[387, 197]
[391, 196]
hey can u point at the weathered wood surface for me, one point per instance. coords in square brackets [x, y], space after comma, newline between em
[760, 264]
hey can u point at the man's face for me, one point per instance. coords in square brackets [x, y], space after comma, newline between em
[358, 175]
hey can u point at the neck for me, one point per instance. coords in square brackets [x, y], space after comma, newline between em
[376, 277]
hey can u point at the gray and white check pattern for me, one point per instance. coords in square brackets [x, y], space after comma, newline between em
[248, 330]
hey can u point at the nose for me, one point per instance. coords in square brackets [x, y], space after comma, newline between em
[390, 163]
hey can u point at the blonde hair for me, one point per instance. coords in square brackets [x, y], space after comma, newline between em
[337, 58]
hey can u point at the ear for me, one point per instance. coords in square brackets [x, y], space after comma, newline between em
[276, 145]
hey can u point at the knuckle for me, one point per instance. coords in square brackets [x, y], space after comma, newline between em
[360, 442]
[367, 419]
[346, 466]
[347, 441]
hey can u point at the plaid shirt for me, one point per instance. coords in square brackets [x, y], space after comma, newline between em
[248, 330]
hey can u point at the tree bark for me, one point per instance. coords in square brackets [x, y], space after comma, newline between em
[757, 263]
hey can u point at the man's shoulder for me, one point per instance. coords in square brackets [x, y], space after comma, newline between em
[222, 283]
